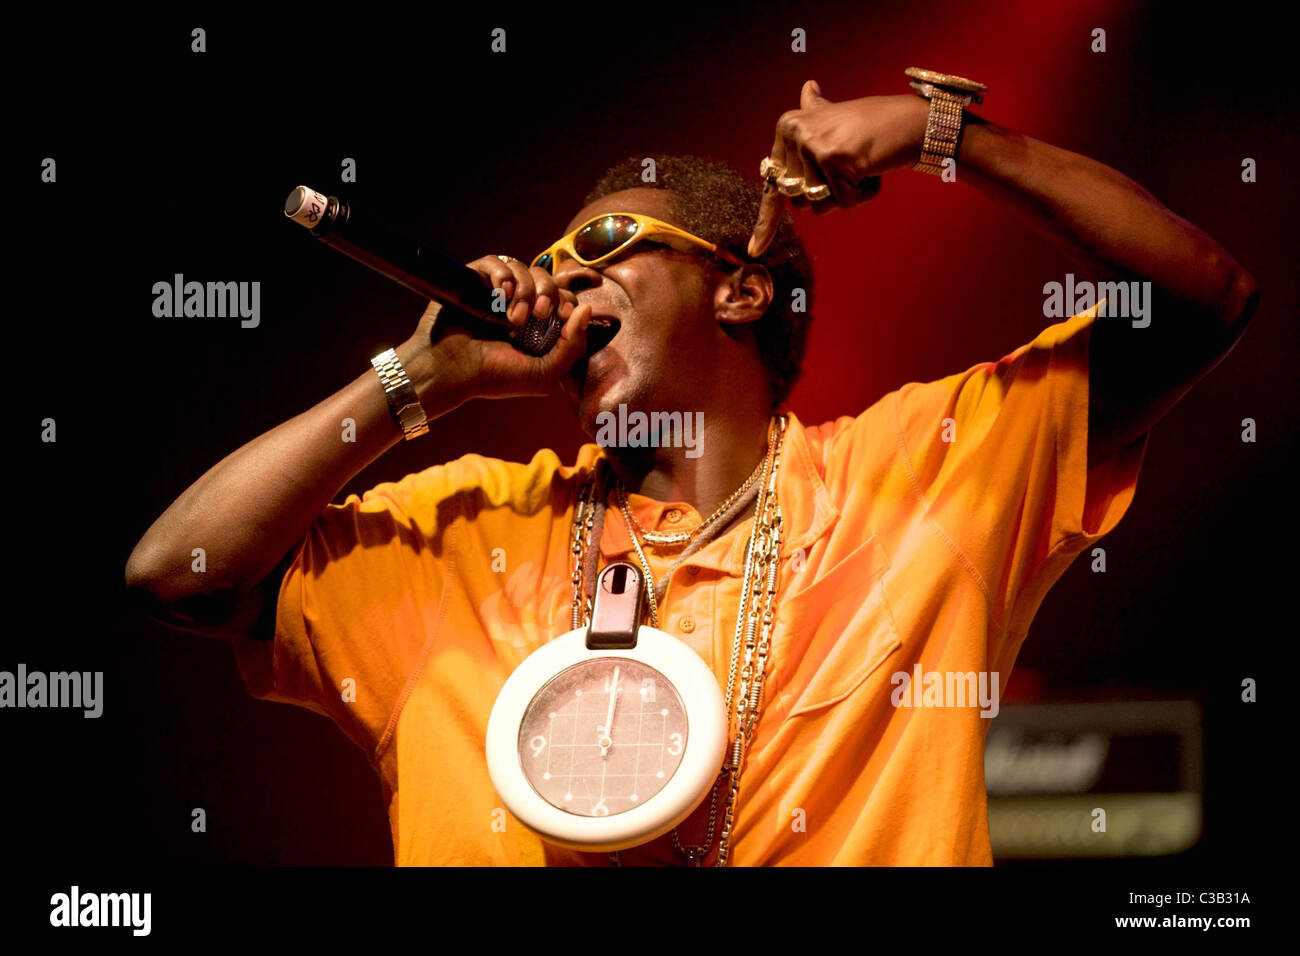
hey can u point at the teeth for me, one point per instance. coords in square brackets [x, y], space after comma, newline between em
[608, 329]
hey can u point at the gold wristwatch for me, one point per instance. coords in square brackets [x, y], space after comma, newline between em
[948, 96]
[402, 400]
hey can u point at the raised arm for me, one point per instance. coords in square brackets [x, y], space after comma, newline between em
[1201, 298]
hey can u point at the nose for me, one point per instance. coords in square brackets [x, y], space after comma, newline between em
[575, 277]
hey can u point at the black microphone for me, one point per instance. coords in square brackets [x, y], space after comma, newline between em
[416, 266]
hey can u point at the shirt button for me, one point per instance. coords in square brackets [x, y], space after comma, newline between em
[686, 623]
[672, 516]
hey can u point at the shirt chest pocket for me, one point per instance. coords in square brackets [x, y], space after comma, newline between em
[833, 633]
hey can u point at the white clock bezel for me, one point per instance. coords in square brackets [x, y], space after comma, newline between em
[706, 742]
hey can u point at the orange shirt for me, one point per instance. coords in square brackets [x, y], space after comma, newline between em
[923, 532]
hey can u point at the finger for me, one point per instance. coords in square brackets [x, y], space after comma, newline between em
[795, 169]
[548, 293]
[788, 130]
[499, 276]
[811, 97]
[843, 194]
[568, 302]
[525, 293]
[771, 207]
[866, 190]
[813, 177]
[566, 299]
[572, 343]
[848, 186]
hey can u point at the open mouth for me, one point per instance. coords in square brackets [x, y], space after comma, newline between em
[601, 330]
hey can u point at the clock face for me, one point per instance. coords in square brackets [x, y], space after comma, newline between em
[603, 736]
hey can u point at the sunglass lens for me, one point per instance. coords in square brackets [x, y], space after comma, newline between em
[545, 261]
[604, 236]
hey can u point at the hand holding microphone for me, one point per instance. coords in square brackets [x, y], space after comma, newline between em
[520, 341]
[474, 367]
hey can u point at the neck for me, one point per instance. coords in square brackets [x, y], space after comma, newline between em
[732, 448]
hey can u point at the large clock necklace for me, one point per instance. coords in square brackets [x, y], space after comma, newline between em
[612, 734]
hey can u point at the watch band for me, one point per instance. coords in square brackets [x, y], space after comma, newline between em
[949, 95]
[402, 400]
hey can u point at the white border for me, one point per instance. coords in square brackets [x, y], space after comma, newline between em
[706, 741]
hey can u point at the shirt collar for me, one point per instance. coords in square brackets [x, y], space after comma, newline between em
[806, 508]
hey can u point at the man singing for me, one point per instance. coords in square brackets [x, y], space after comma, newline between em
[917, 537]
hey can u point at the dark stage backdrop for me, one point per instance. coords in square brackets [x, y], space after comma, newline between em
[174, 162]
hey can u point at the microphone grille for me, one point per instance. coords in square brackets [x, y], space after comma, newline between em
[538, 336]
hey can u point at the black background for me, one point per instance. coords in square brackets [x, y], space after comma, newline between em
[172, 162]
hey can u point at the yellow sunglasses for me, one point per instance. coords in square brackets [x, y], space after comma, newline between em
[600, 239]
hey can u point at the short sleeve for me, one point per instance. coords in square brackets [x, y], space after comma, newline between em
[355, 609]
[1000, 453]
[996, 458]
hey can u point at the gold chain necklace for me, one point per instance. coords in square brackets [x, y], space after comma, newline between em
[653, 589]
[670, 539]
[753, 628]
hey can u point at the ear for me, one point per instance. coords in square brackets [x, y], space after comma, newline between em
[743, 295]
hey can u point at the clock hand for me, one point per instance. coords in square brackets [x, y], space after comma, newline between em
[606, 740]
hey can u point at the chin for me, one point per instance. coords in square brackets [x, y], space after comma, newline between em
[602, 397]
[587, 407]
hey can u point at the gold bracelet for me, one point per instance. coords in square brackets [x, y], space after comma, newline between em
[949, 95]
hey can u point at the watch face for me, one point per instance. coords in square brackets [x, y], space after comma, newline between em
[603, 736]
[946, 79]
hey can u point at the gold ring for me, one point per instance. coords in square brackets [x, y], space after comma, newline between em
[769, 169]
[790, 185]
[818, 193]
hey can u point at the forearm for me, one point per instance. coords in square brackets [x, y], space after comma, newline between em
[252, 507]
[1101, 218]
